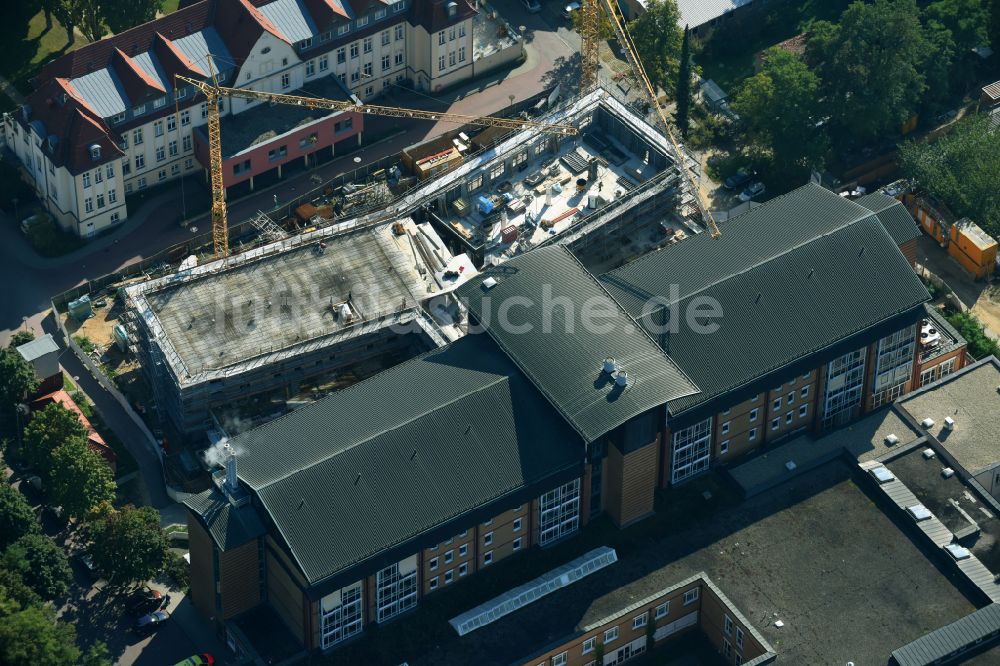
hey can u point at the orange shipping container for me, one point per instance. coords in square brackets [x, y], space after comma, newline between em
[974, 242]
[976, 269]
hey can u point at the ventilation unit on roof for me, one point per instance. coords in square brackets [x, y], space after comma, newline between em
[623, 380]
[947, 472]
[927, 423]
[95, 152]
[610, 365]
[892, 440]
[489, 283]
[949, 423]
[928, 454]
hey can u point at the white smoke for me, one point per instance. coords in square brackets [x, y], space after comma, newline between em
[216, 455]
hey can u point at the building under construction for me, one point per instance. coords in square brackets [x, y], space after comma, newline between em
[253, 334]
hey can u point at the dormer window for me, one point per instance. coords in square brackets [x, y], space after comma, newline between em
[138, 110]
[306, 43]
[265, 50]
[452, 9]
[95, 152]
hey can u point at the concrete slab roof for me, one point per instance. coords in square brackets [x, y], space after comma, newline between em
[38, 347]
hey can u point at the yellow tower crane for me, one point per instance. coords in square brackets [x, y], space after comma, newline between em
[214, 92]
[590, 25]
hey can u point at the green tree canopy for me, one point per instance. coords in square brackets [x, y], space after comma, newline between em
[31, 635]
[14, 587]
[49, 429]
[41, 564]
[121, 15]
[962, 169]
[779, 110]
[657, 37]
[17, 519]
[871, 67]
[128, 545]
[683, 97]
[79, 480]
[20, 338]
[968, 21]
[17, 380]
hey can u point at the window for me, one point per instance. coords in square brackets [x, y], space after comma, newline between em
[488, 539]
[451, 59]
[186, 143]
[845, 378]
[611, 635]
[368, 45]
[433, 583]
[517, 544]
[516, 527]
[126, 168]
[88, 205]
[310, 68]
[86, 179]
[449, 556]
[362, 21]
[727, 648]
[662, 610]
[725, 428]
[488, 523]
[161, 154]
[100, 200]
[386, 62]
[354, 50]
[463, 550]
[487, 558]
[343, 30]
[141, 183]
[112, 196]
[139, 110]
[340, 615]
[559, 659]
[752, 435]
[449, 576]
[441, 38]
[724, 447]
[140, 162]
[128, 188]
[380, 13]
[788, 417]
[463, 568]
[464, 534]
[802, 410]
[124, 140]
[441, 63]
[171, 123]
[756, 397]
[161, 175]
[804, 393]
[777, 404]
[775, 423]
[306, 43]
[367, 70]
[137, 137]
[398, 5]
[691, 451]
[691, 596]
[286, 81]
[118, 118]
[398, 58]
[158, 128]
[324, 63]
[189, 163]
[185, 118]
[110, 171]
[639, 621]
[727, 626]
[451, 35]
[114, 218]
[739, 638]
[398, 33]
[204, 111]
[589, 645]
[559, 512]
[434, 563]
[386, 38]
[753, 414]
[172, 148]
[396, 588]
[790, 398]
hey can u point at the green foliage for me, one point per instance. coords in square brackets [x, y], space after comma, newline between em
[967, 20]
[21, 338]
[17, 380]
[177, 568]
[605, 31]
[31, 635]
[121, 15]
[871, 67]
[41, 564]
[980, 345]
[128, 545]
[961, 169]
[97, 655]
[85, 343]
[939, 67]
[17, 519]
[49, 429]
[779, 109]
[15, 589]
[51, 241]
[683, 97]
[79, 479]
[657, 39]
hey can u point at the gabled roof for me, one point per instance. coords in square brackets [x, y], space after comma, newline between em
[802, 275]
[292, 18]
[550, 292]
[373, 469]
[228, 525]
[893, 216]
[95, 442]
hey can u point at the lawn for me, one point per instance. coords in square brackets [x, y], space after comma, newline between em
[169, 6]
[26, 44]
[727, 57]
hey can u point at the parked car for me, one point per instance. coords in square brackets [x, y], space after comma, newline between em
[150, 622]
[533, 6]
[752, 192]
[87, 562]
[147, 600]
[738, 179]
[569, 9]
[203, 659]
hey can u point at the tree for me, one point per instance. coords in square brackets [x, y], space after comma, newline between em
[20, 338]
[681, 115]
[84, 14]
[968, 21]
[939, 66]
[49, 429]
[120, 15]
[657, 38]
[870, 64]
[79, 479]
[980, 344]
[127, 545]
[17, 380]
[961, 169]
[31, 635]
[17, 519]
[605, 31]
[14, 587]
[41, 564]
[779, 112]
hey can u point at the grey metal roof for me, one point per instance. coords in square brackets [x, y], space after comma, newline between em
[290, 17]
[893, 215]
[38, 347]
[103, 92]
[228, 526]
[698, 12]
[951, 638]
[793, 278]
[198, 45]
[150, 64]
[548, 291]
[384, 462]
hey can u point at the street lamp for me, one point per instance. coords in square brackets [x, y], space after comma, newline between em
[24, 320]
[275, 200]
[511, 98]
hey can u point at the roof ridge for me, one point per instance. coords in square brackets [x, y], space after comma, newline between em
[138, 72]
[384, 431]
[262, 20]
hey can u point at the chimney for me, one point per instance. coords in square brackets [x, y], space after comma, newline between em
[232, 483]
[610, 365]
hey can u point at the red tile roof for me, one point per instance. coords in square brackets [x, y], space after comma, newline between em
[95, 442]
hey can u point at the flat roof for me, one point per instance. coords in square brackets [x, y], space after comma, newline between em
[288, 294]
[38, 347]
[818, 554]
[971, 397]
